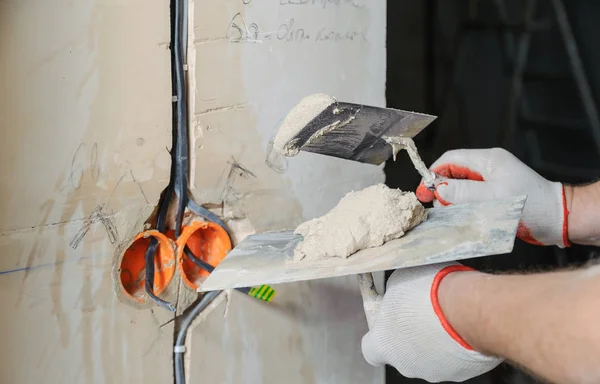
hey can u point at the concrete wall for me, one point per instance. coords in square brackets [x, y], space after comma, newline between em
[85, 111]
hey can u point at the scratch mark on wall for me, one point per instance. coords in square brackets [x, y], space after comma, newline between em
[233, 107]
[115, 189]
[204, 40]
[97, 215]
[17, 230]
[78, 165]
[275, 160]
[140, 187]
[46, 265]
[94, 167]
[236, 170]
[167, 323]
[76, 168]
[151, 346]
[158, 331]
[154, 318]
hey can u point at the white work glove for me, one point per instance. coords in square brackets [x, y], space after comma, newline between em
[411, 333]
[471, 175]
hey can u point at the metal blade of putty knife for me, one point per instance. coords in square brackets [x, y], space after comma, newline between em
[450, 233]
[346, 130]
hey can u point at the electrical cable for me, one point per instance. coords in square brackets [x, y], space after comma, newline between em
[163, 205]
[180, 172]
[178, 186]
[185, 320]
[180, 147]
[178, 182]
[206, 214]
[207, 267]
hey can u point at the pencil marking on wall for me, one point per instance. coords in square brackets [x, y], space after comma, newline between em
[77, 167]
[139, 186]
[97, 215]
[230, 194]
[94, 167]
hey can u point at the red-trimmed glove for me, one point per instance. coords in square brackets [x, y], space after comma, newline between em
[471, 175]
[411, 333]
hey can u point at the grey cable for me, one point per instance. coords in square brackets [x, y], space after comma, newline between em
[186, 320]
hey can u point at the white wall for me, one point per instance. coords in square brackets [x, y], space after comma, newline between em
[85, 108]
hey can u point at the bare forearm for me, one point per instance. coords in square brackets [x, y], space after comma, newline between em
[583, 204]
[546, 323]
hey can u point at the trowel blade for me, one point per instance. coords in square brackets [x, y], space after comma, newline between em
[361, 134]
[449, 233]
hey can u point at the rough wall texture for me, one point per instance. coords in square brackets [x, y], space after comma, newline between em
[86, 114]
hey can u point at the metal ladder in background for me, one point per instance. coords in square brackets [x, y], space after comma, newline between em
[520, 117]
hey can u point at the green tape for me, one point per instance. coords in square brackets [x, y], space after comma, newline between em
[270, 297]
[263, 292]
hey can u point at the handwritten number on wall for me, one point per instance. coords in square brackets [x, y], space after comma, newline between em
[94, 168]
[238, 30]
[79, 165]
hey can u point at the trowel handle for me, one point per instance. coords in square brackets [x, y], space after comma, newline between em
[432, 181]
[371, 299]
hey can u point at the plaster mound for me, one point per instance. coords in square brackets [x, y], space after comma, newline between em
[363, 219]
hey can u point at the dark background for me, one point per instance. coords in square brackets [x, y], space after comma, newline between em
[497, 73]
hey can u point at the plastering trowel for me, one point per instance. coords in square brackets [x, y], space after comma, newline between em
[321, 124]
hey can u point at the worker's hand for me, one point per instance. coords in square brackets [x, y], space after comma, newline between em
[471, 175]
[411, 333]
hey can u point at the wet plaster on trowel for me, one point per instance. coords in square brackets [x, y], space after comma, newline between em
[363, 219]
[326, 129]
[400, 143]
[303, 113]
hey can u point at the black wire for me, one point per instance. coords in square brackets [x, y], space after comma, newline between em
[207, 267]
[163, 205]
[208, 215]
[178, 183]
[199, 262]
[180, 148]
